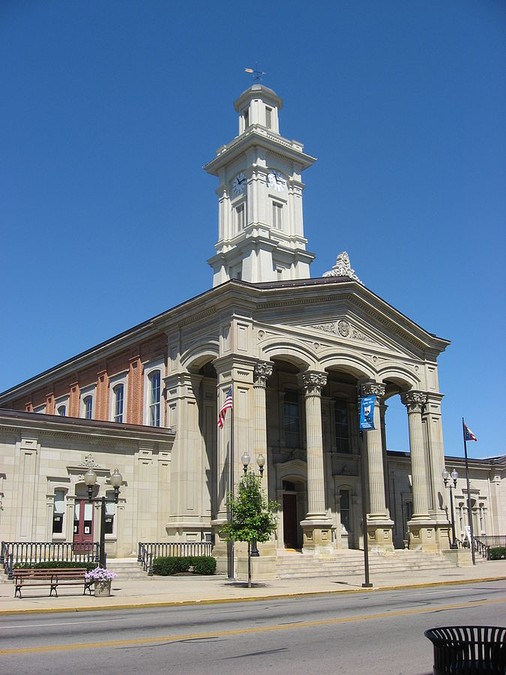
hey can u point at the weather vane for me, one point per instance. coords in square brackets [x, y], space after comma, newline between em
[257, 74]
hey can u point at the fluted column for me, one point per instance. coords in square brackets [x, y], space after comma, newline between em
[415, 402]
[313, 383]
[261, 373]
[374, 444]
[422, 530]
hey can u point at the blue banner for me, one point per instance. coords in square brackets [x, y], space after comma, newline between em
[367, 404]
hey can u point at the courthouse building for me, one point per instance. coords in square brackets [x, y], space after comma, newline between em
[296, 353]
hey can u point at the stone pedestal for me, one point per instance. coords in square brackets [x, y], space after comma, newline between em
[461, 557]
[422, 536]
[379, 535]
[262, 568]
[317, 537]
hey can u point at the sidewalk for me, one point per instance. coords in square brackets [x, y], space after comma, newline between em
[169, 591]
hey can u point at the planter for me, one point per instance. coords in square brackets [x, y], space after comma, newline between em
[102, 588]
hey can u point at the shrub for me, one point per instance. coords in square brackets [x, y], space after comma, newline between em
[497, 553]
[204, 564]
[54, 564]
[165, 566]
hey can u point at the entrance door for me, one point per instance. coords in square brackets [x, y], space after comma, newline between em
[83, 525]
[290, 524]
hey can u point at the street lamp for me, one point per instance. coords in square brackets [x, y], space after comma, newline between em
[450, 480]
[90, 478]
[245, 459]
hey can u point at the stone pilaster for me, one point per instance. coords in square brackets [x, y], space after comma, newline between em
[379, 524]
[316, 525]
[422, 534]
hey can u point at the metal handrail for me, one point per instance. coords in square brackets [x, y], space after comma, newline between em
[148, 551]
[13, 553]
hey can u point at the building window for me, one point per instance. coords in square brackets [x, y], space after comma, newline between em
[62, 410]
[118, 402]
[268, 118]
[277, 215]
[291, 419]
[110, 513]
[344, 508]
[240, 217]
[88, 407]
[245, 117]
[58, 511]
[154, 398]
[342, 430]
[40, 409]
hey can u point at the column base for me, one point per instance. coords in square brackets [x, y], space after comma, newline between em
[423, 535]
[317, 537]
[379, 534]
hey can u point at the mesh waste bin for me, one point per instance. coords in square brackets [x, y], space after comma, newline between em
[468, 650]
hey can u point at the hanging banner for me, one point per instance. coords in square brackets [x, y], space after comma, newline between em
[367, 404]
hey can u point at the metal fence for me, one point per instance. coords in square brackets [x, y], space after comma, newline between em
[485, 542]
[147, 552]
[16, 552]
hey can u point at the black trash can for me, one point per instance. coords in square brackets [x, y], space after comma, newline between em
[468, 650]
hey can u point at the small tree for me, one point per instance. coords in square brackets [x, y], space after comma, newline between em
[252, 516]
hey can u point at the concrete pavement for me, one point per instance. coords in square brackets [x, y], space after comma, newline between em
[178, 590]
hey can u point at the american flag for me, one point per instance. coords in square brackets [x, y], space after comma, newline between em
[228, 405]
[468, 434]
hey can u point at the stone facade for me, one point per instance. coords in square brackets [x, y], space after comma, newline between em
[297, 355]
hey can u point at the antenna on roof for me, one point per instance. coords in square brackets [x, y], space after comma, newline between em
[257, 74]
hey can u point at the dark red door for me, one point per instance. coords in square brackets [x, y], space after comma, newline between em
[83, 525]
[290, 524]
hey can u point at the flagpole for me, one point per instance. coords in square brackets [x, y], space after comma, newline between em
[469, 513]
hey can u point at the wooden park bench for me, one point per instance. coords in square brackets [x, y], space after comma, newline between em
[52, 577]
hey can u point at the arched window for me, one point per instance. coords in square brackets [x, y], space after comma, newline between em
[291, 419]
[88, 407]
[154, 398]
[62, 410]
[119, 402]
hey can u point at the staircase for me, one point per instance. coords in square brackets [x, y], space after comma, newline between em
[293, 565]
[126, 568]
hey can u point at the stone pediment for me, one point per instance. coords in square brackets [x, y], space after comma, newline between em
[345, 329]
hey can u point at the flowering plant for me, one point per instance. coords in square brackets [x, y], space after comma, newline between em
[100, 574]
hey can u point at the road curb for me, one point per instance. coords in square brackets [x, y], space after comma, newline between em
[262, 598]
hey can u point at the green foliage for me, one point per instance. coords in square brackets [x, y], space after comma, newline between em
[253, 517]
[166, 565]
[54, 564]
[497, 553]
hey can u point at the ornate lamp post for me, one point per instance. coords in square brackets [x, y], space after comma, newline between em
[90, 478]
[450, 480]
[245, 459]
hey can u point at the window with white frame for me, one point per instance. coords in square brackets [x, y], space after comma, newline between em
[41, 409]
[88, 402]
[58, 511]
[240, 217]
[61, 406]
[268, 117]
[277, 215]
[117, 398]
[153, 395]
[110, 514]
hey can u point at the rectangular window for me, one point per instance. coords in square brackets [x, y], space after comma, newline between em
[154, 398]
[268, 118]
[344, 507]
[291, 419]
[110, 513]
[245, 116]
[342, 430]
[240, 217]
[277, 215]
[119, 402]
[58, 511]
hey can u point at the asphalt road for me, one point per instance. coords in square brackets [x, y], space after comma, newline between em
[379, 632]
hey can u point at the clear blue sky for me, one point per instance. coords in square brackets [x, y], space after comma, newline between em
[111, 108]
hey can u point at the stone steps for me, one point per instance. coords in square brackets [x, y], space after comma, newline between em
[126, 568]
[351, 563]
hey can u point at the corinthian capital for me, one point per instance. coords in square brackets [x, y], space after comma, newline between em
[414, 400]
[313, 382]
[372, 389]
[262, 372]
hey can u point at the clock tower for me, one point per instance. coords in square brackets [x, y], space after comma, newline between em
[261, 229]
